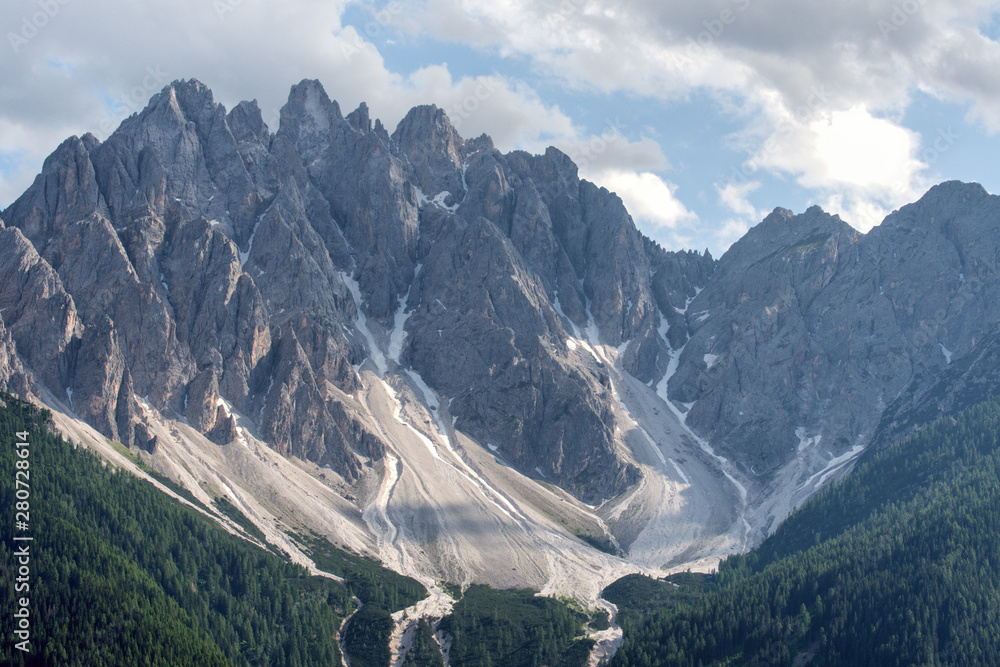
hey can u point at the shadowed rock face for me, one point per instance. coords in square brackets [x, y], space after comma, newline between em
[808, 324]
[205, 263]
[219, 269]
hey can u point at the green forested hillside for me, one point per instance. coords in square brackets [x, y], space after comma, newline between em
[515, 628]
[899, 564]
[123, 575]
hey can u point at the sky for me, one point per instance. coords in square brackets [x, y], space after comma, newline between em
[702, 116]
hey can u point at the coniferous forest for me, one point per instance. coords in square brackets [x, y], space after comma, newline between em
[898, 564]
[122, 574]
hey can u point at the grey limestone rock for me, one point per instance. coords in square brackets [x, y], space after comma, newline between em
[809, 324]
[213, 264]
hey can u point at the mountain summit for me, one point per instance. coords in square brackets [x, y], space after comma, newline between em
[453, 339]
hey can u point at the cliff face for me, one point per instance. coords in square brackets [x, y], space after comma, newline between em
[809, 326]
[221, 271]
[215, 268]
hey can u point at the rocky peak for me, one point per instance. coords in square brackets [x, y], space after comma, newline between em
[954, 215]
[311, 117]
[429, 128]
[180, 102]
[782, 230]
[247, 124]
[195, 99]
[434, 150]
[199, 259]
[360, 119]
[948, 200]
[556, 168]
[65, 191]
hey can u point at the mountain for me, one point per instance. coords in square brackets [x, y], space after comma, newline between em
[811, 325]
[213, 260]
[467, 363]
[897, 565]
[120, 573]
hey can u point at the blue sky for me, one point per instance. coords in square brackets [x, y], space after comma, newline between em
[702, 116]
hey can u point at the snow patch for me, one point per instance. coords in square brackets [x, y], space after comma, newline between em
[806, 442]
[430, 398]
[439, 199]
[491, 494]
[946, 352]
[374, 353]
[398, 334]
[742, 490]
[710, 360]
[244, 256]
[680, 472]
[422, 199]
[645, 433]
[833, 466]
[576, 340]
[593, 334]
[592, 331]
[661, 387]
[376, 515]
[661, 390]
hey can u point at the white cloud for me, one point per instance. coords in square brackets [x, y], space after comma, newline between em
[858, 165]
[766, 60]
[770, 58]
[82, 73]
[734, 197]
[729, 232]
[611, 150]
[509, 111]
[856, 210]
[855, 148]
[647, 197]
